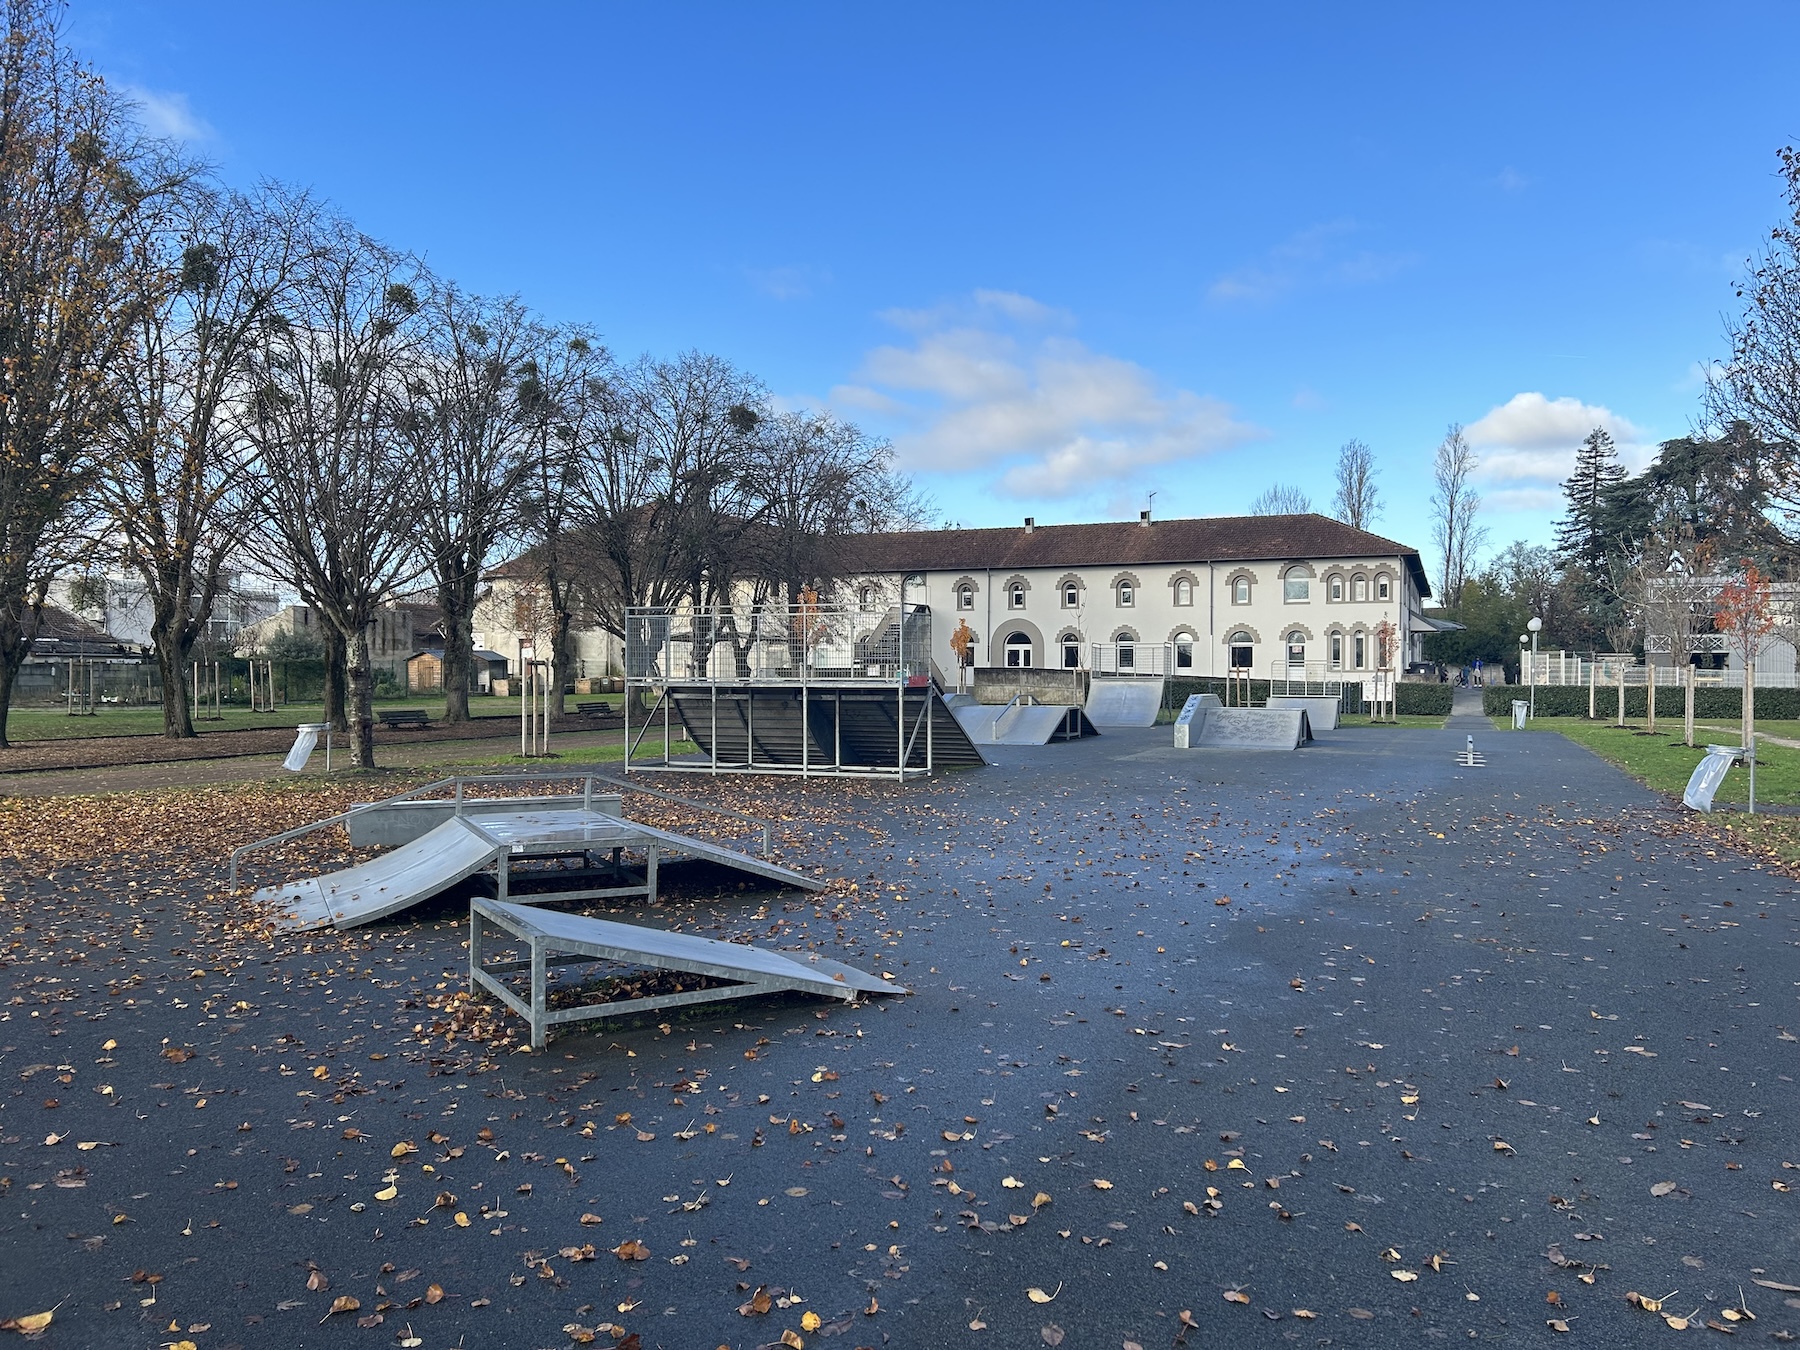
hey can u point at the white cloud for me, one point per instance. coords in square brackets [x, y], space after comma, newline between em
[1319, 256]
[984, 387]
[1532, 439]
[167, 115]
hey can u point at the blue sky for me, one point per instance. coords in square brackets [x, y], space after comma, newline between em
[1064, 256]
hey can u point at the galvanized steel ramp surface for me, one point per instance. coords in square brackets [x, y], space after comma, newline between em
[556, 938]
[357, 895]
[1023, 724]
[1254, 729]
[462, 846]
[1124, 702]
[1321, 709]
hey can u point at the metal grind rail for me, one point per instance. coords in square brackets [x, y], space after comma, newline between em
[460, 797]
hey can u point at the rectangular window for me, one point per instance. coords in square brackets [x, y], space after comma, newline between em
[1337, 652]
[1381, 588]
[1359, 651]
[1296, 588]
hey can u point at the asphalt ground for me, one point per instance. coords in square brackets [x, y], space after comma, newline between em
[1348, 1046]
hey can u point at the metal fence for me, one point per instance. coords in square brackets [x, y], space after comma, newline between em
[772, 644]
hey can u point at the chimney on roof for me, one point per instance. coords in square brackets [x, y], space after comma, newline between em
[1144, 517]
[1030, 524]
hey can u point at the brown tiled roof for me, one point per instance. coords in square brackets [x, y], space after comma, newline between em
[1127, 543]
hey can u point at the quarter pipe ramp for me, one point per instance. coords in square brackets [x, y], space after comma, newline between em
[1124, 702]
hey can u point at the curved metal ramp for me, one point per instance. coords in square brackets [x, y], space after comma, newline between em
[1124, 702]
[1321, 709]
[556, 939]
[463, 846]
[1021, 724]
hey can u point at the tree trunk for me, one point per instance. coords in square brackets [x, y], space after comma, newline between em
[167, 631]
[335, 678]
[172, 665]
[9, 672]
[361, 701]
[455, 604]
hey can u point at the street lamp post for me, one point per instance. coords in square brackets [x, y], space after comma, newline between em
[1535, 626]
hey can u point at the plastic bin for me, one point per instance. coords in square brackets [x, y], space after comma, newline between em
[1521, 710]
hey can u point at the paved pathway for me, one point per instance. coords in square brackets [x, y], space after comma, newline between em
[1351, 1032]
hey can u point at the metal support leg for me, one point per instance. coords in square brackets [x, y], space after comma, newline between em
[650, 875]
[502, 866]
[474, 947]
[539, 1005]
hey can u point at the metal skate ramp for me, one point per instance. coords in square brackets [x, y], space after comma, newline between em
[556, 940]
[1321, 709]
[553, 940]
[1254, 729]
[462, 846]
[1124, 701]
[1023, 724]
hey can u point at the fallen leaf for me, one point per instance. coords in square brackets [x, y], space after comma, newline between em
[792, 1340]
[1404, 1276]
[1556, 1324]
[1052, 1334]
[1101, 1184]
[1037, 1295]
[29, 1324]
[1237, 1296]
[809, 1320]
[1662, 1188]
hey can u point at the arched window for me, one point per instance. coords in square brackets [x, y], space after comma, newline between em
[1381, 588]
[1127, 594]
[1359, 588]
[1071, 595]
[1296, 650]
[1184, 592]
[1071, 653]
[1240, 591]
[1337, 651]
[1018, 649]
[865, 597]
[965, 597]
[1184, 650]
[1296, 587]
[1242, 651]
[1127, 652]
[1337, 588]
[1015, 597]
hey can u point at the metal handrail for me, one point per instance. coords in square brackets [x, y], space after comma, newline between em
[587, 779]
[1017, 701]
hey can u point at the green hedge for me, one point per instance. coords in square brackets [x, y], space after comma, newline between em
[1712, 701]
[1422, 700]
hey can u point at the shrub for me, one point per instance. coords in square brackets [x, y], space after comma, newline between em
[1710, 701]
[1423, 700]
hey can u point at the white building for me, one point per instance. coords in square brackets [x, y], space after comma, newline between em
[1300, 596]
[120, 604]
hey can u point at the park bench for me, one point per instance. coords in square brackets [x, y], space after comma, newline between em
[403, 717]
[601, 714]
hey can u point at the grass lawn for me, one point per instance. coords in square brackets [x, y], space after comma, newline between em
[1405, 720]
[46, 724]
[1664, 763]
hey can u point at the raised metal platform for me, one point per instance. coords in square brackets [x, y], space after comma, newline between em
[852, 728]
[496, 842]
[554, 941]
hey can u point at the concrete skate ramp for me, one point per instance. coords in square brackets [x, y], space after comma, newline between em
[1023, 724]
[1124, 702]
[1254, 729]
[461, 847]
[1321, 709]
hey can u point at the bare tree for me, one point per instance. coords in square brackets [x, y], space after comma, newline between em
[73, 178]
[1757, 390]
[332, 483]
[1281, 500]
[563, 400]
[469, 443]
[1356, 502]
[215, 264]
[1454, 503]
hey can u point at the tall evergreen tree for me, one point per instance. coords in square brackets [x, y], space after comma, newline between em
[1580, 538]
